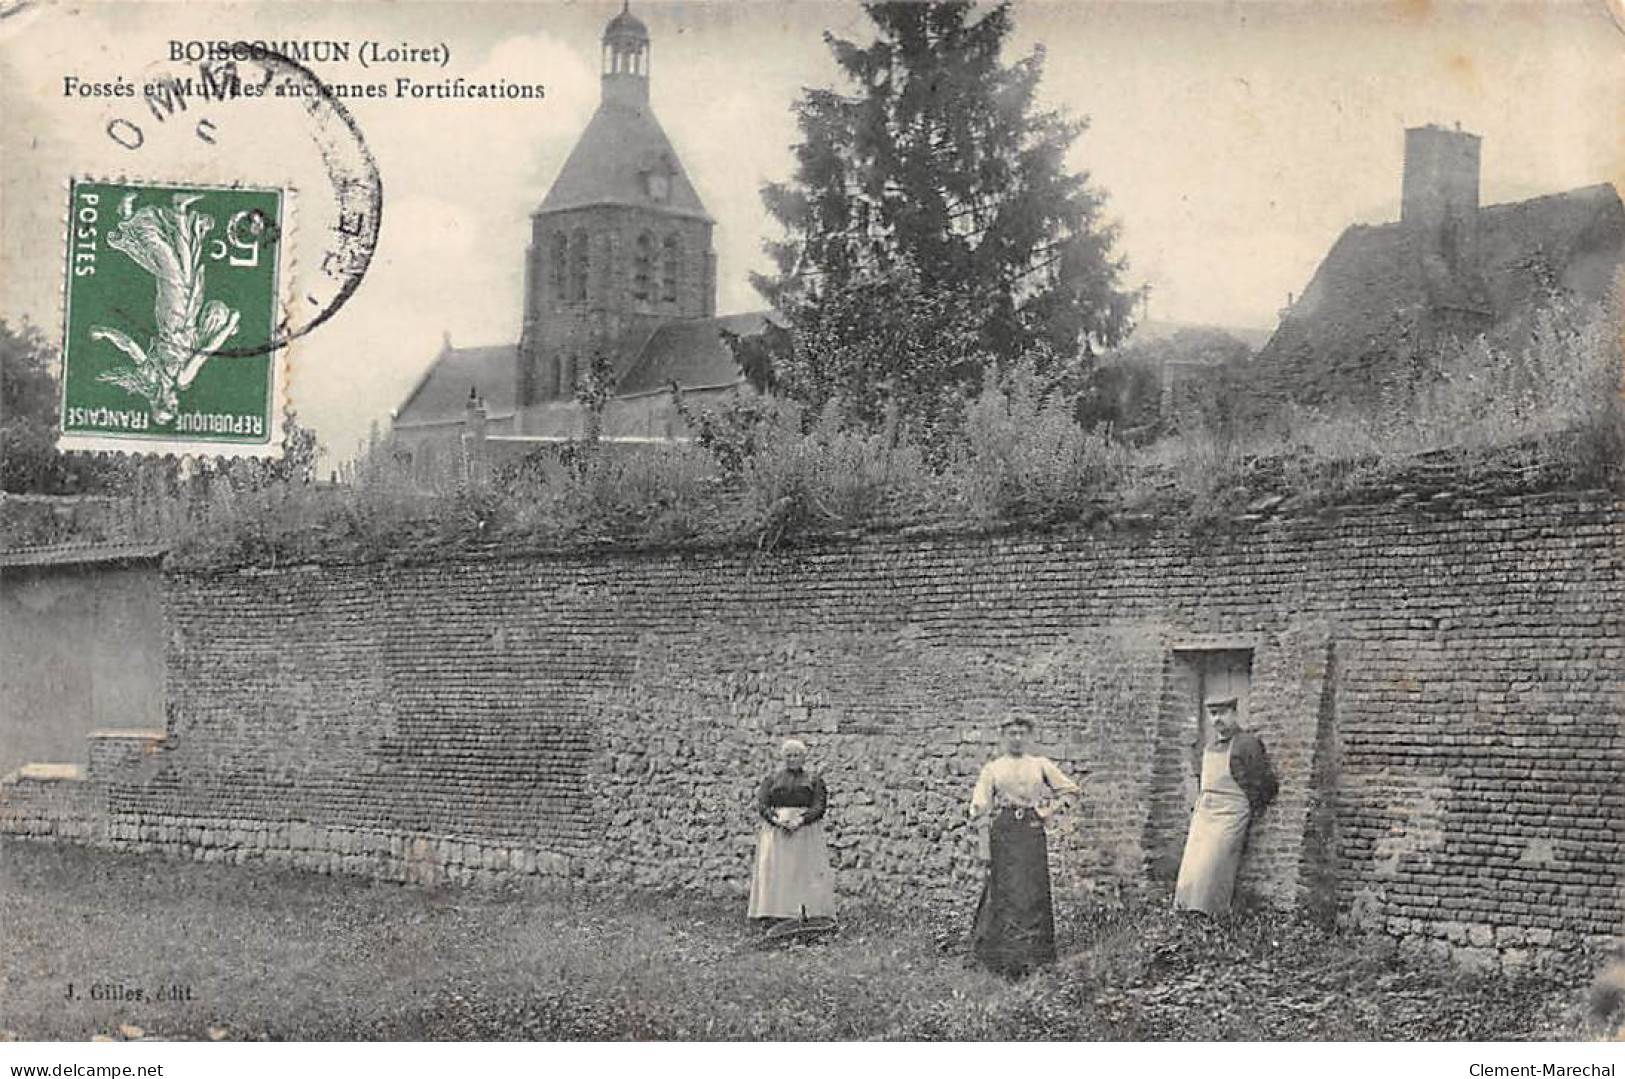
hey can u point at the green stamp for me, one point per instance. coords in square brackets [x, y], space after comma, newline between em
[169, 339]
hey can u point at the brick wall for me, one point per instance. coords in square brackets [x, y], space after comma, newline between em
[1441, 684]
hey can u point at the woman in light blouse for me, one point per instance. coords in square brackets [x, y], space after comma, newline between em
[1015, 794]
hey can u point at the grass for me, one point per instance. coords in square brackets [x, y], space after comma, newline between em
[278, 955]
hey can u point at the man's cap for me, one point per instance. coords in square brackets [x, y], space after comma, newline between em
[1015, 721]
[1222, 702]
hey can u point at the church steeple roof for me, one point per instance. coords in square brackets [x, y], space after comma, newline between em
[626, 25]
[624, 158]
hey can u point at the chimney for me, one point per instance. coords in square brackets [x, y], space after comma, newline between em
[1441, 176]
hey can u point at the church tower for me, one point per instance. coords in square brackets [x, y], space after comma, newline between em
[620, 246]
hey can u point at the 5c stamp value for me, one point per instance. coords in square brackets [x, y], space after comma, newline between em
[170, 338]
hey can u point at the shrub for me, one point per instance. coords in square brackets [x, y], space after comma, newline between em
[806, 477]
[1550, 398]
[653, 495]
[1024, 457]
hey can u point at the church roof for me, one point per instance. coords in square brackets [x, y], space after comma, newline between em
[690, 352]
[1383, 289]
[441, 395]
[610, 165]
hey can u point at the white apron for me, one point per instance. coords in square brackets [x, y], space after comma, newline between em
[1207, 873]
[792, 878]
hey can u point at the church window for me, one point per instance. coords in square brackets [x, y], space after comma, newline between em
[671, 261]
[558, 265]
[578, 266]
[643, 268]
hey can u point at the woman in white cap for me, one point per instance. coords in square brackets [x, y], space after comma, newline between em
[1014, 797]
[1237, 783]
[792, 878]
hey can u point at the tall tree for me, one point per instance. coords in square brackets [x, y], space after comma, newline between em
[932, 200]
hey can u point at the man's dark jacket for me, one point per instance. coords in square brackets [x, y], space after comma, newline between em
[1250, 768]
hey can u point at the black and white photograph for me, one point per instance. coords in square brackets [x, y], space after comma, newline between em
[709, 524]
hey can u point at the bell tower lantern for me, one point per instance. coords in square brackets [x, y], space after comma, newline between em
[626, 59]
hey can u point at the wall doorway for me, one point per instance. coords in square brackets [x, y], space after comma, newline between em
[1195, 676]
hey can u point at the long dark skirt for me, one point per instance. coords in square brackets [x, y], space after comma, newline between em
[1015, 920]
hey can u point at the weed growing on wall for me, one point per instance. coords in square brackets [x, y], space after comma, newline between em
[1548, 398]
[1023, 458]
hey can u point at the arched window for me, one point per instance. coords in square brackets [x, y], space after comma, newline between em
[670, 264]
[558, 265]
[643, 268]
[578, 266]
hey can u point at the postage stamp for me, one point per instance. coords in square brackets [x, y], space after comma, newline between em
[168, 289]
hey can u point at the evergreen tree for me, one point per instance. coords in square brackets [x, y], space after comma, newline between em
[931, 227]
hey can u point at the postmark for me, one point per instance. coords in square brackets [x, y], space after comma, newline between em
[256, 96]
[161, 281]
[239, 120]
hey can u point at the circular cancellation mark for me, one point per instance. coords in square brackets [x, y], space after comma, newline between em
[244, 73]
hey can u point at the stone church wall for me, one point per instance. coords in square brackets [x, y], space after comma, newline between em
[1441, 685]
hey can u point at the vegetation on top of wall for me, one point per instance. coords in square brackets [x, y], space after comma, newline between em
[762, 473]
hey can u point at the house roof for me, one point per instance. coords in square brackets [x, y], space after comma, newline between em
[442, 393]
[84, 552]
[1385, 288]
[1577, 236]
[622, 145]
[691, 353]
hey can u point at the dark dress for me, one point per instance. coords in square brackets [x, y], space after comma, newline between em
[1015, 918]
[1014, 930]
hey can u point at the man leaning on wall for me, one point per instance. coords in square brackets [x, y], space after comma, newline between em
[1238, 782]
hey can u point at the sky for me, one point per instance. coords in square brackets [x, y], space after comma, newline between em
[1234, 141]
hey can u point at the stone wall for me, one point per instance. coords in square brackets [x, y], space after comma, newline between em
[1441, 683]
